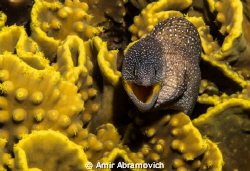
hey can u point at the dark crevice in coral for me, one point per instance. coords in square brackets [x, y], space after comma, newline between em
[185, 11]
[16, 122]
[210, 19]
[233, 63]
[117, 35]
[225, 84]
[113, 34]
[96, 74]
[198, 110]
[131, 12]
[121, 107]
[1, 125]
[52, 59]
[18, 12]
[137, 140]
[137, 134]
[245, 126]
[51, 62]
[27, 28]
[7, 168]
[150, 118]
[84, 126]
[14, 51]
[201, 9]
[119, 61]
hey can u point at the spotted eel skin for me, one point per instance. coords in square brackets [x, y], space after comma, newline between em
[161, 71]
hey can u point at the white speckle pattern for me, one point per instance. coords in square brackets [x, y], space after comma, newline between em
[175, 47]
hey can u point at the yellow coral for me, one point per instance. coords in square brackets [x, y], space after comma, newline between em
[17, 41]
[226, 123]
[54, 146]
[95, 146]
[107, 61]
[140, 4]
[221, 105]
[126, 155]
[72, 61]
[231, 26]
[5, 158]
[235, 45]
[110, 148]
[246, 22]
[226, 69]
[208, 86]
[212, 157]
[107, 137]
[154, 13]
[35, 99]
[174, 141]
[48, 150]
[2, 145]
[54, 21]
[79, 62]
[75, 60]
[3, 19]
[100, 9]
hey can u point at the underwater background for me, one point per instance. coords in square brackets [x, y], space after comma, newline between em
[62, 103]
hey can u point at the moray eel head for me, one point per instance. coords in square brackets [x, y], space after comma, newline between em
[142, 73]
[161, 71]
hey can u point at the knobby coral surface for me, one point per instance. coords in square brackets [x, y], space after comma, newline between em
[103, 10]
[54, 21]
[62, 104]
[35, 99]
[59, 153]
[174, 141]
[2, 19]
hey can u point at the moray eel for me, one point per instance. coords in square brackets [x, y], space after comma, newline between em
[161, 71]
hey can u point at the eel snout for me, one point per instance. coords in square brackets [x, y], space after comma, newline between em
[143, 97]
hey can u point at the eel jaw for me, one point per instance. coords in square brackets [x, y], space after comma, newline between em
[144, 97]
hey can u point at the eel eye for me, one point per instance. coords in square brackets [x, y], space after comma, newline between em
[135, 72]
[155, 72]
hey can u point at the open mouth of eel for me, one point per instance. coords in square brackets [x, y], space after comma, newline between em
[144, 97]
